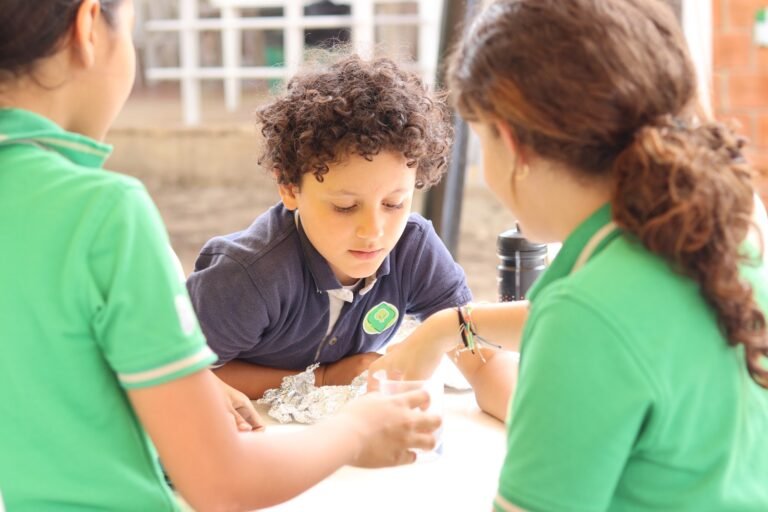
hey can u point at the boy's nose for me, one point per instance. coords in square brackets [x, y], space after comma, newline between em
[371, 226]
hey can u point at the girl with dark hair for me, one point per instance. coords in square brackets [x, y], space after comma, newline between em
[644, 357]
[100, 349]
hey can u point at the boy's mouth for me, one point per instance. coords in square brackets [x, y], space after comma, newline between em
[367, 254]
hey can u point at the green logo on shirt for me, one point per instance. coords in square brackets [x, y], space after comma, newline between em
[380, 318]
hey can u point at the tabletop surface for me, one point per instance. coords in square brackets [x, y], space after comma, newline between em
[463, 478]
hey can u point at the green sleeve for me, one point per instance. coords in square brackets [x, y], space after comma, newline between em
[142, 316]
[580, 404]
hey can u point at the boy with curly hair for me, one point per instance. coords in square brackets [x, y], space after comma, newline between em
[327, 275]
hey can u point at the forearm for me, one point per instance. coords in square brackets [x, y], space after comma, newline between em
[420, 353]
[307, 455]
[252, 379]
[499, 323]
[492, 380]
[215, 468]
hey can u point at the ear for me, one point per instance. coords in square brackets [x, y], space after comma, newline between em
[509, 140]
[84, 37]
[289, 194]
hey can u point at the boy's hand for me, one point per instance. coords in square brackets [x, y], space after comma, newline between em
[344, 370]
[241, 408]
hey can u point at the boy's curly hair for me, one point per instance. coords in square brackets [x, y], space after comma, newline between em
[354, 106]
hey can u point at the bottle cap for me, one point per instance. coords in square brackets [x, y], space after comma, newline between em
[512, 241]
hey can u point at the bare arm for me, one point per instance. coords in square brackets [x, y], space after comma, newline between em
[421, 352]
[492, 380]
[499, 322]
[254, 380]
[216, 468]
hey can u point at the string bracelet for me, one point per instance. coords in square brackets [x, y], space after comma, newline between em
[468, 331]
[465, 331]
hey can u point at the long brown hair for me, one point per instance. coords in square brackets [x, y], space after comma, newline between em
[608, 88]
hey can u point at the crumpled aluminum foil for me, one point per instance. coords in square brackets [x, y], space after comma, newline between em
[298, 399]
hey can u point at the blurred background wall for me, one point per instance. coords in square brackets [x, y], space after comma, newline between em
[203, 174]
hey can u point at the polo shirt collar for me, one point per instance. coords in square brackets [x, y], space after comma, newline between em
[19, 126]
[588, 239]
[321, 271]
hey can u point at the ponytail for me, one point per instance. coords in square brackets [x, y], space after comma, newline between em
[686, 193]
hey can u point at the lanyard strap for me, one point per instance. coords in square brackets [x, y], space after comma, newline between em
[593, 243]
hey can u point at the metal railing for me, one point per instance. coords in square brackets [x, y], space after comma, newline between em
[231, 23]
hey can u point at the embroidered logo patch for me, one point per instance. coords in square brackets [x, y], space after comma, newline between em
[380, 318]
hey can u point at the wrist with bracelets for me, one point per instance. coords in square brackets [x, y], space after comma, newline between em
[468, 331]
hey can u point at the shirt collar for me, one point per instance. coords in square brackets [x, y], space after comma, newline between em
[321, 271]
[587, 240]
[19, 126]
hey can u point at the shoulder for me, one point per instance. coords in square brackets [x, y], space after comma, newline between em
[419, 235]
[634, 300]
[88, 195]
[59, 172]
[418, 226]
[626, 275]
[271, 237]
[267, 251]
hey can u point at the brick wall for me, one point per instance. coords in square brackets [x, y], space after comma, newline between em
[740, 76]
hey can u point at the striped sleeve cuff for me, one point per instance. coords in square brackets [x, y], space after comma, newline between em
[170, 371]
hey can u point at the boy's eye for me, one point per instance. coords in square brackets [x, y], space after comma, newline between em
[344, 209]
[394, 206]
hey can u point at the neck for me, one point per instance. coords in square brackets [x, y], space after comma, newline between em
[565, 200]
[37, 100]
[48, 91]
[572, 215]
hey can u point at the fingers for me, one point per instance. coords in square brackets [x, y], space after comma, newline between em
[428, 422]
[423, 441]
[373, 383]
[392, 347]
[406, 457]
[245, 416]
[249, 415]
[417, 398]
[240, 422]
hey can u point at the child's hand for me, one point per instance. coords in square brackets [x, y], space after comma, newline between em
[391, 427]
[412, 359]
[344, 370]
[420, 353]
[241, 408]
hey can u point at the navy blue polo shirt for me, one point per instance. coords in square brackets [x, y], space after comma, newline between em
[262, 294]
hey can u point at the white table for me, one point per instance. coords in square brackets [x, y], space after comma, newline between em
[464, 478]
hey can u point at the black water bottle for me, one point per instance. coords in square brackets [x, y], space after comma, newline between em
[521, 262]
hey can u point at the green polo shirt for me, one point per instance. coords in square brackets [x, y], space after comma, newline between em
[91, 303]
[629, 397]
